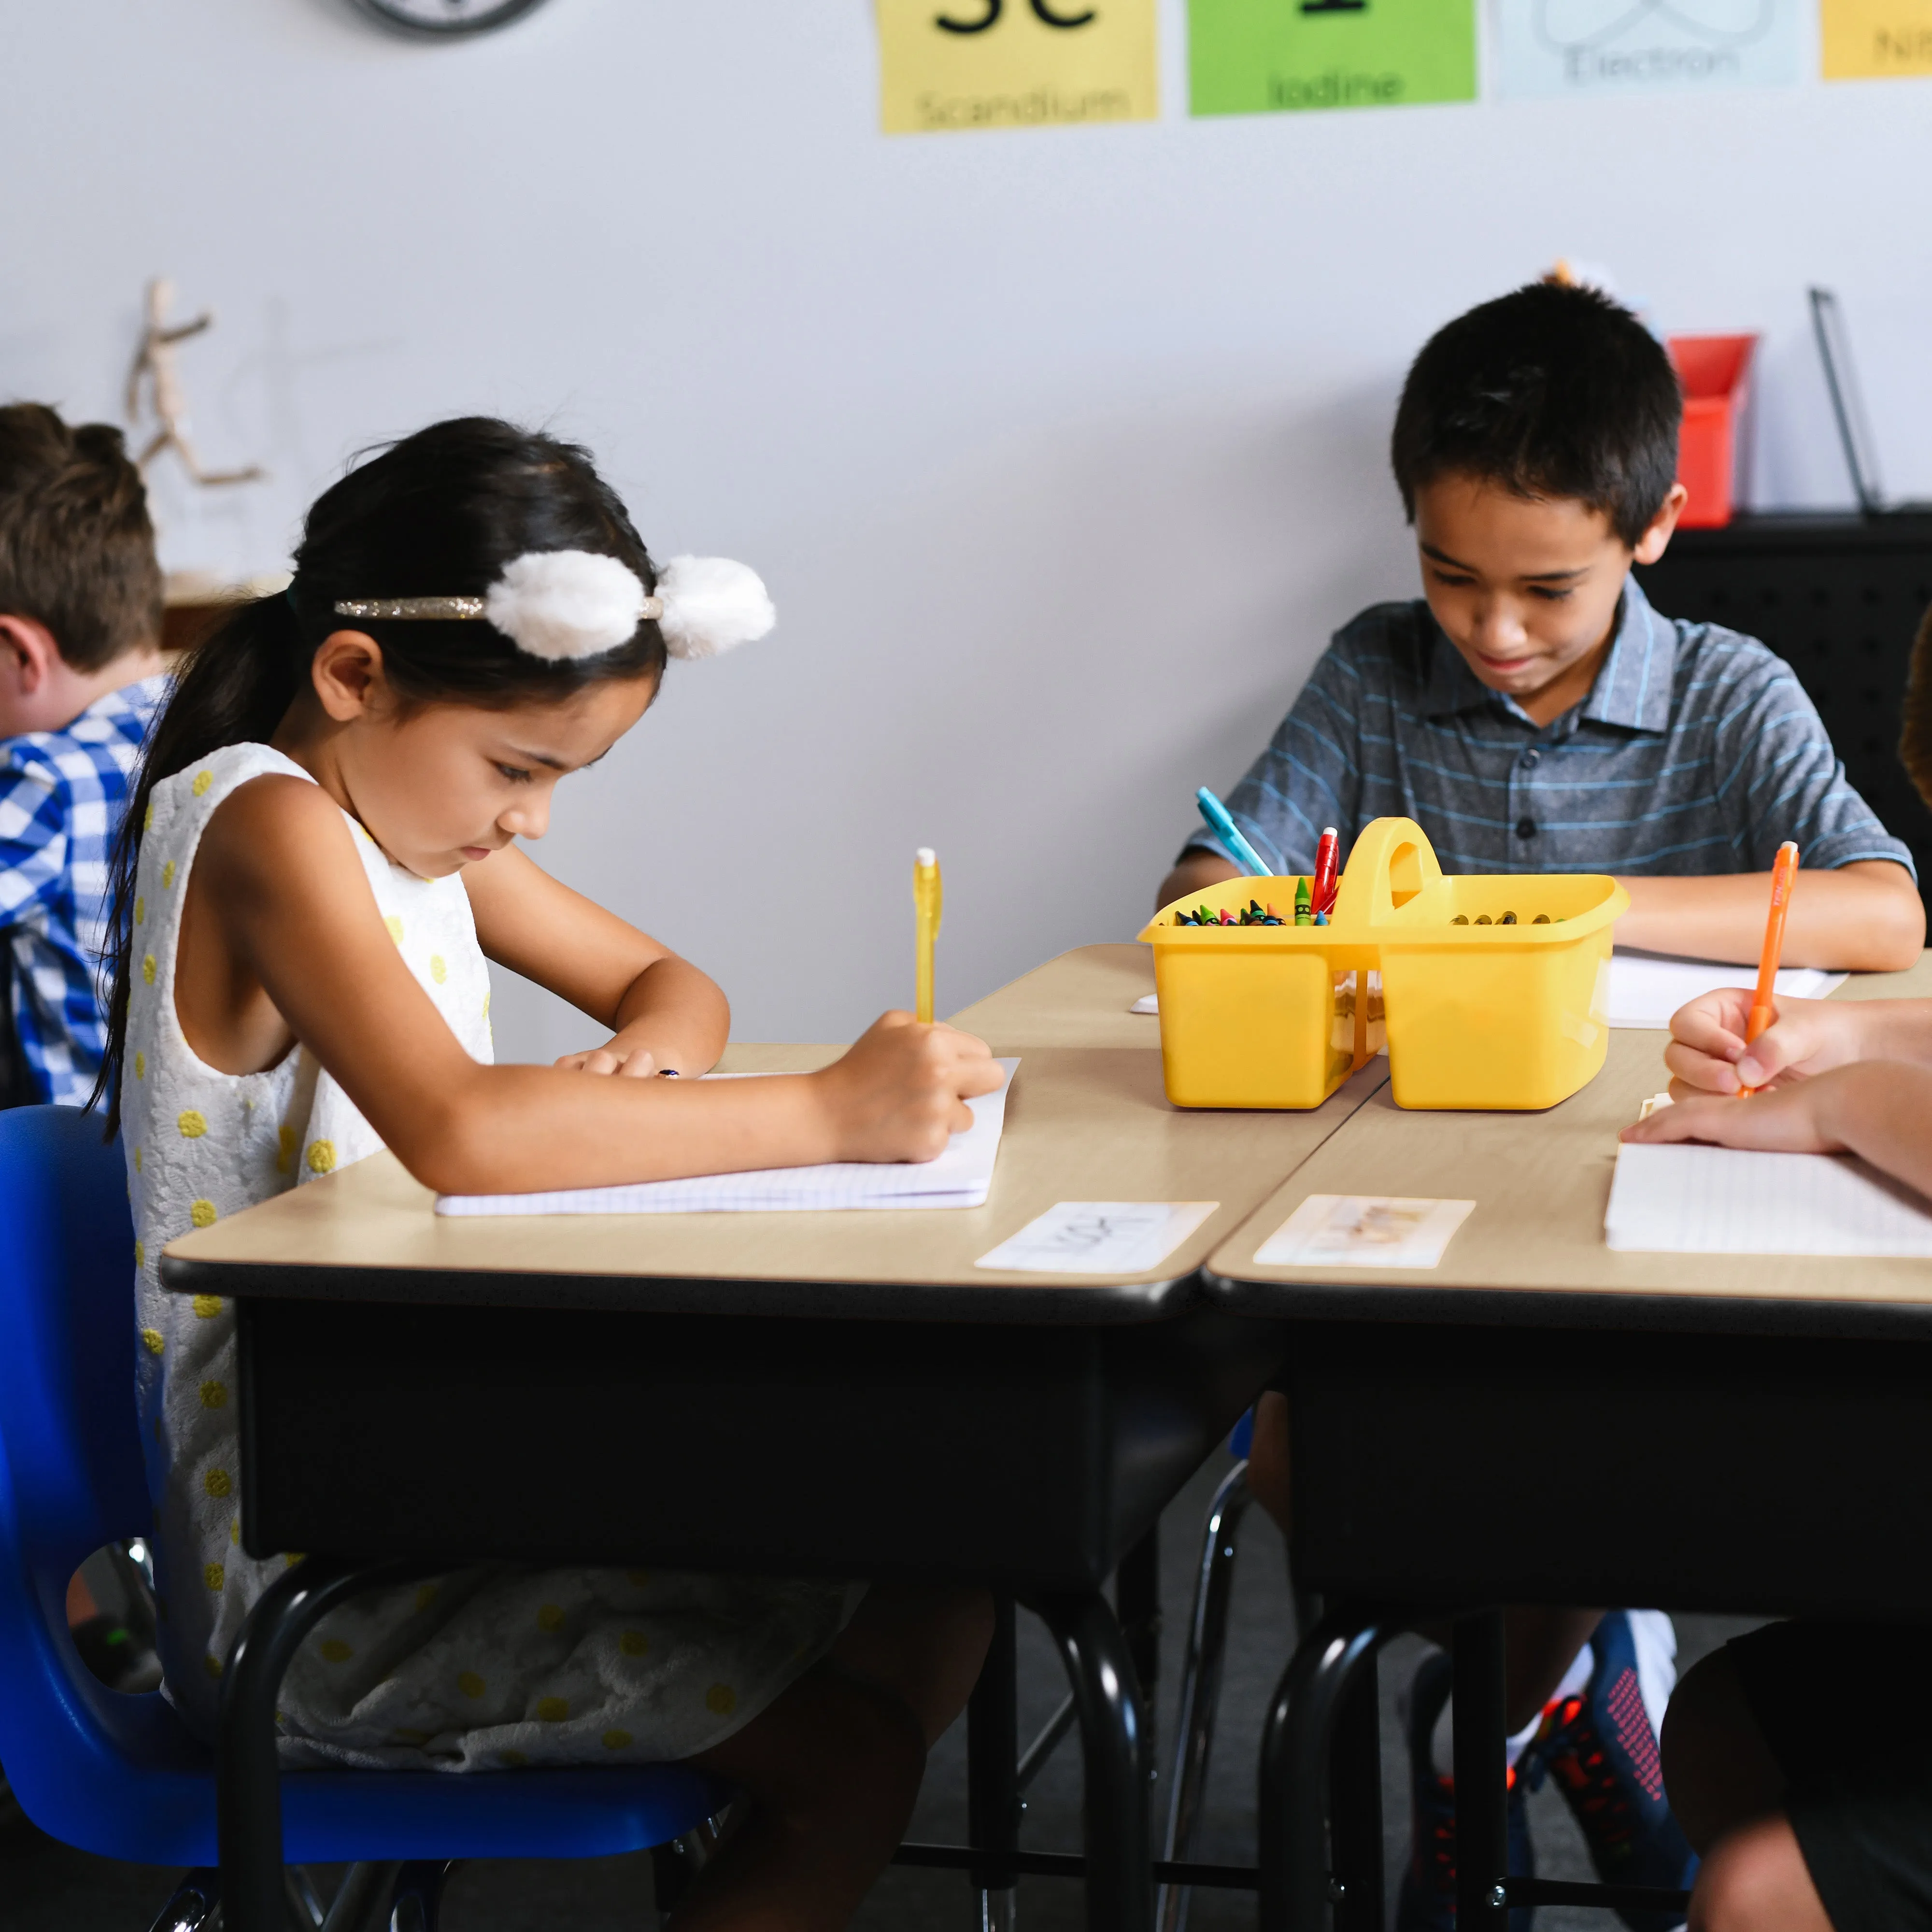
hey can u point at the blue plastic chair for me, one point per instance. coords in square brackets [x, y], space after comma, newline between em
[121, 1776]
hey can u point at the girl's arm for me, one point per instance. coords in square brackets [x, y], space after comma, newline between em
[281, 941]
[1865, 917]
[1878, 1110]
[661, 1011]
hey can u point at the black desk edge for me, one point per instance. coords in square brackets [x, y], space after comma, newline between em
[1432, 1303]
[996, 1304]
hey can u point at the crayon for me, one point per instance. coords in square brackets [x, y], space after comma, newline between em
[1303, 904]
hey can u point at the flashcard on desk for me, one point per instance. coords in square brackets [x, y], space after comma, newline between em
[1100, 1236]
[1376, 1231]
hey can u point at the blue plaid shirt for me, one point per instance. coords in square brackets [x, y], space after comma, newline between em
[62, 794]
[1695, 751]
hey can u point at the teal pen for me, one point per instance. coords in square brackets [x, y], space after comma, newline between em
[1225, 829]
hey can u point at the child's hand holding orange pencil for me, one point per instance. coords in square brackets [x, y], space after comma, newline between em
[1764, 1002]
[1709, 1053]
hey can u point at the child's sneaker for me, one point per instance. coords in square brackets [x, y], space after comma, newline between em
[1427, 1900]
[1600, 1747]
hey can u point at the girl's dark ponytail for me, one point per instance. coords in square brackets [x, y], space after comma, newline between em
[441, 514]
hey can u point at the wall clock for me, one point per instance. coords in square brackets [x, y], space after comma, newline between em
[447, 18]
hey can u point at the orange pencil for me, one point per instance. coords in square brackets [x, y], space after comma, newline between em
[1764, 1001]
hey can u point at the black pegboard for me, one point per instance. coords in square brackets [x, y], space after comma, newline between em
[1840, 599]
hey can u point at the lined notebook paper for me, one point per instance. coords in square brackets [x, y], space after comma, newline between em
[1645, 991]
[1687, 1200]
[959, 1177]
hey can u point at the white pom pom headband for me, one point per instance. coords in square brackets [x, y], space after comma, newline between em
[565, 604]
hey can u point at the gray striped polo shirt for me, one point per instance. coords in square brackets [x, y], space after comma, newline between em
[1695, 751]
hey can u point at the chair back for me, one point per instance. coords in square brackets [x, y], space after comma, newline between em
[120, 1775]
[71, 1479]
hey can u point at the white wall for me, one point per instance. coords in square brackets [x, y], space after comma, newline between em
[1061, 451]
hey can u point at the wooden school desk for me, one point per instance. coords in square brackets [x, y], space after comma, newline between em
[838, 1393]
[1539, 1420]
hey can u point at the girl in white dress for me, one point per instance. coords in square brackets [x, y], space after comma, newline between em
[320, 857]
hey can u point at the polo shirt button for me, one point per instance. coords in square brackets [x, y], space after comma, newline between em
[1525, 828]
[1527, 761]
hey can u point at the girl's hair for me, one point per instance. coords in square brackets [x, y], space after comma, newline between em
[440, 514]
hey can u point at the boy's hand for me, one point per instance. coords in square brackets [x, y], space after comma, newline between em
[901, 1092]
[1790, 1121]
[1707, 1054]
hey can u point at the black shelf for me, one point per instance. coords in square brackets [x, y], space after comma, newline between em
[1839, 597]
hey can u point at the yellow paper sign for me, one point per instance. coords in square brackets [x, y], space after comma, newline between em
[949, 65]
[1874, 39]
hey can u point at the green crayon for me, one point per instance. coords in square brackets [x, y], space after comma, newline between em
[1304, 904]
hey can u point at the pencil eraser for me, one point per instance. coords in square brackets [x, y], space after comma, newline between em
[925, 856]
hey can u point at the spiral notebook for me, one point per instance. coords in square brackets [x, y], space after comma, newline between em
[960, 1176]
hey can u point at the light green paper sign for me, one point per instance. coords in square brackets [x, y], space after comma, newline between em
[1289, 56]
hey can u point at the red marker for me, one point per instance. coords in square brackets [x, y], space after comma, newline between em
[1326, 857]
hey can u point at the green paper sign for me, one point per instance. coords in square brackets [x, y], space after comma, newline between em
[1289, 56]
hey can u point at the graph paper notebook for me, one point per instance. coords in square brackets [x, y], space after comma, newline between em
[1686, 1200]
[959, 1177]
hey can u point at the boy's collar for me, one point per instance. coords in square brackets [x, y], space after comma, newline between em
[1632, 689]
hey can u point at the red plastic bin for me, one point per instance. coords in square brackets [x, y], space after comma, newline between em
[1715, 372]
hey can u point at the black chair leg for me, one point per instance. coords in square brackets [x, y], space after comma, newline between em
[192, 1905]
[1355, 1803]
[415, 1899]
[1297, 1742]
[1120, 1866]
[992, 1774]
[248, 1796]
[1482, 1809]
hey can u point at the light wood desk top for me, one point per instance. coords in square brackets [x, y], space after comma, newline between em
[1533, 1249]
[1086, 1120]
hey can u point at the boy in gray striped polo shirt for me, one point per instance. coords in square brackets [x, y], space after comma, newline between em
[1533, 714]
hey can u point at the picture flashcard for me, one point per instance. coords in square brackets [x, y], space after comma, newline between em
[1376, 1231]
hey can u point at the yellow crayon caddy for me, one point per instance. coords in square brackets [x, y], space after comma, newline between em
[1493, 987]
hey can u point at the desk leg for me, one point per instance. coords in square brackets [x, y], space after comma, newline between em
[1137, 1602]
[992, 1775]
[1120, 1860]
[248, 1795]
[1332, 1674]
[1482, 1808]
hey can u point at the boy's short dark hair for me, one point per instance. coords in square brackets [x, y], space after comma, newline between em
[77, 546]
[1553, 391]
[1914, 743]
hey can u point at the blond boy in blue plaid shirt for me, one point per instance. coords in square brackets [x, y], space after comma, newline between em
[81, 680]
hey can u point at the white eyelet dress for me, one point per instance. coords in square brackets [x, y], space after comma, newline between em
[489, 1668]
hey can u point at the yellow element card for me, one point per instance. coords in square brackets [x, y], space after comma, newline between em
[949, 65]
[1876, 40]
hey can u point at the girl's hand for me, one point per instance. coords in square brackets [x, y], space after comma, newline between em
[628, 1062]
[901, 1092]
[1707, 1054]
[1790, 1120]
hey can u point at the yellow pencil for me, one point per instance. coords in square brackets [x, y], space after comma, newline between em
[927, 897]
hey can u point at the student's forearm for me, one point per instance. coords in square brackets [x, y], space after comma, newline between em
[1883, 1113]
[1864, 918]
[677, 1014]
[520, 1130]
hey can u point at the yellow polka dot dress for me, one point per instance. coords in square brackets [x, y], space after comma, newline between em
[489, 1669]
